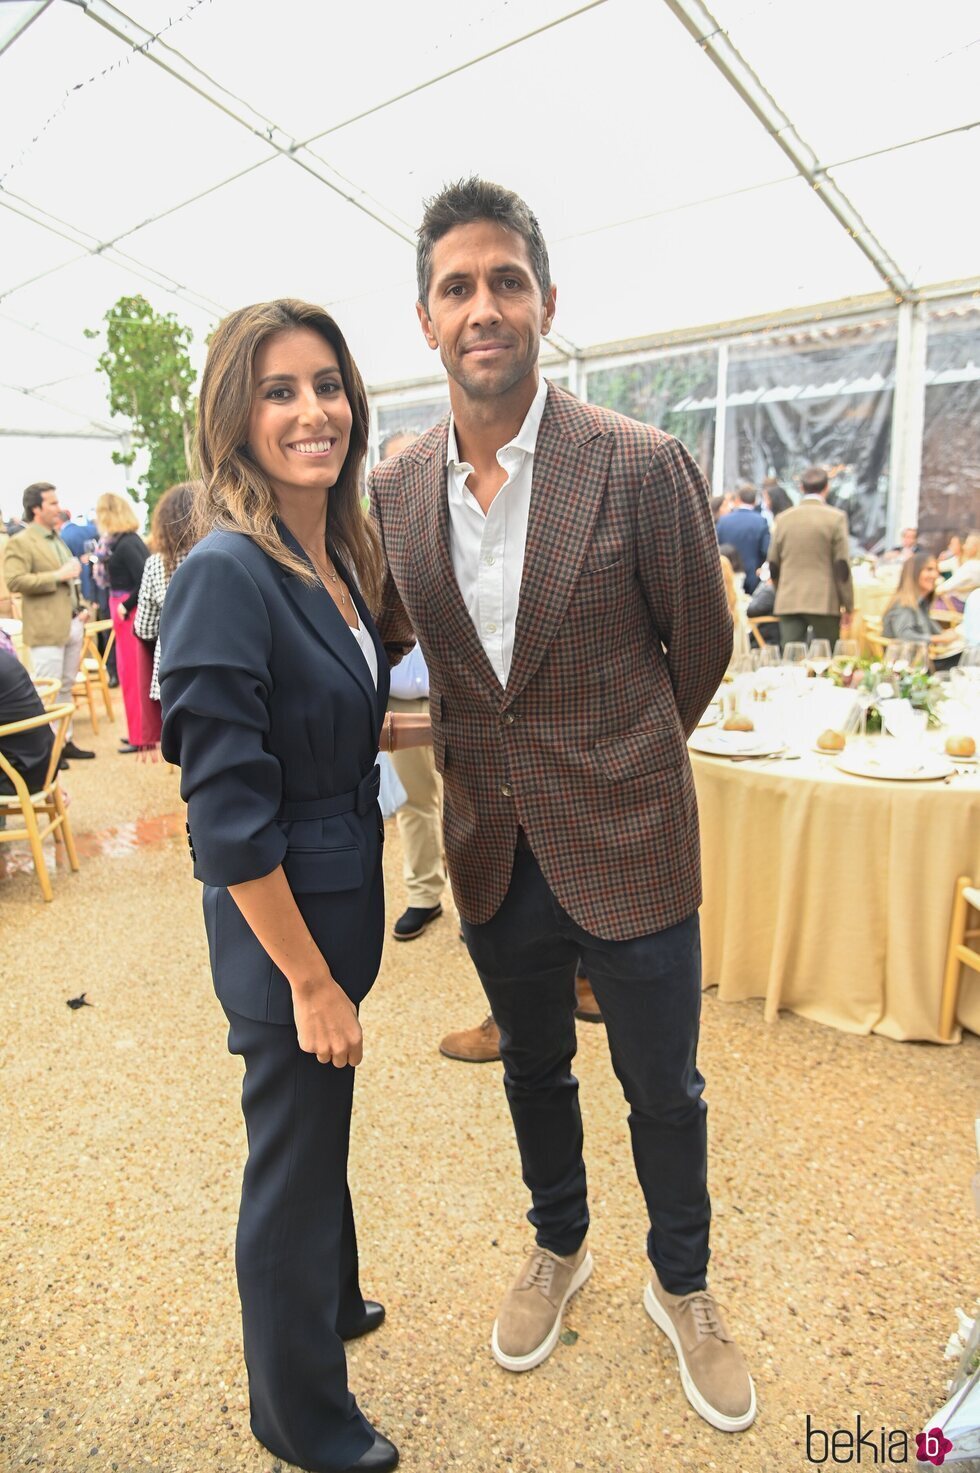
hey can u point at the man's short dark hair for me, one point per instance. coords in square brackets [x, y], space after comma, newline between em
[747, 494]
[464, 203]
[34, 498]
[813, 480]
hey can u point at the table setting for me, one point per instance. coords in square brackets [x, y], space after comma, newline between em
[839, 801]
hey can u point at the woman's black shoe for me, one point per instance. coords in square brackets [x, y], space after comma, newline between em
[373, 1316]
[378, 1458]
[126, 747]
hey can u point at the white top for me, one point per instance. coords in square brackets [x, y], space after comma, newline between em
[410, 677]
[488, 551]
[367, 650]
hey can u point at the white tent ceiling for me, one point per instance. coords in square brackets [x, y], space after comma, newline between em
[208, 153]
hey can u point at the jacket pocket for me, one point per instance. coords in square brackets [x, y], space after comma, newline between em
[318, 871]
[640, 753]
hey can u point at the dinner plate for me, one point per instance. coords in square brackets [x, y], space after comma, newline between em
[720, 743]
[710, 716]
[897, 769]
[949, 756]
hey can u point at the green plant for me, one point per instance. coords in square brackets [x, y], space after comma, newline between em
[151, 380]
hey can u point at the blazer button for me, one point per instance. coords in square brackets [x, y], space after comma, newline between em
[509, 718]
[507, 790]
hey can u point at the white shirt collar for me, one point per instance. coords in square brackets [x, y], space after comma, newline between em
[525, 440]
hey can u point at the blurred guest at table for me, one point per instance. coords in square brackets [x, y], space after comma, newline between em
[744, 527]
[907, 617]
[761, 606]
[809, 561]
[952, 554]
[731, 587]
[721, 506]
[28, 752]
[173, 532]
[907, 548]
[126, 554]
[965, 576]
[40, 567]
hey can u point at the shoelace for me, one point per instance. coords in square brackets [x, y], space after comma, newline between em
[705, 1313]
[540, 1273]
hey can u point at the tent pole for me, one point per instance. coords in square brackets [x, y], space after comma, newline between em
[721, 418]
[908, 421]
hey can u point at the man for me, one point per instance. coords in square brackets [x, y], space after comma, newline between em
[809, 560]
[78, 537]
[28, 752]
[420, 816]
[745, 529]
[39, 566]
[907, 548]
[560, 566]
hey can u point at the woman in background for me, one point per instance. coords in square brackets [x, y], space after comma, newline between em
[126, 553]
[908, 616]
[173, 532]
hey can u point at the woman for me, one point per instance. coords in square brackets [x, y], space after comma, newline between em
[907, 617]
[126, 552]
[274, 686]
[173, 533]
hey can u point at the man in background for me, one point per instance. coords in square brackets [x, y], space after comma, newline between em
[745, 528]
[78, 537]
[420, 816]
[809, 560]
[39, 566]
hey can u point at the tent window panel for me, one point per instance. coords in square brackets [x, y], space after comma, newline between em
[949, 493]
[676, 393]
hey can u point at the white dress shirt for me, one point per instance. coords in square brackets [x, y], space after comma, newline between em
[488, 551]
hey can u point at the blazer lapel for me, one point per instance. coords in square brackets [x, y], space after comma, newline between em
[328, 624]
[571, 463]
[447, 617]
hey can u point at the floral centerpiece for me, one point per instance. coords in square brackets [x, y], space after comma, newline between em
[877, 682]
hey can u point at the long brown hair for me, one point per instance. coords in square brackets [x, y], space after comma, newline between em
[237, 494]
[908, 594]
[174, 525]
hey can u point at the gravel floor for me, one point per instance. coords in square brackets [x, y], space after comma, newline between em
[844, 1230]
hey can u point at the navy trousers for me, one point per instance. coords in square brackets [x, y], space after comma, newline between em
[649, 991]
[296, 1250]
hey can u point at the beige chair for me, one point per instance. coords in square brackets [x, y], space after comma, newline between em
[756, 631]
[47, 687]
[43, 811]
[94, 660]
[959, 954]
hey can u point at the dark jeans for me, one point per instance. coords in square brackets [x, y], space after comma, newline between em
[649, 991]
[793, 627]
[296, 1251]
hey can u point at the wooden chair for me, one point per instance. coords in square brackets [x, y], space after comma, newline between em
[959, 954]
[756, 631]
[43, 811]
[47, 687]
[94, 659]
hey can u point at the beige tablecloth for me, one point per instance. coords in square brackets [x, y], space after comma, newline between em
[831, 895]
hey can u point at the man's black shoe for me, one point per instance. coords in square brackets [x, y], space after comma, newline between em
[113, 681]
[414, 922]
[373, 1316]
[62, 765]
[382, 1456]
[73, 753]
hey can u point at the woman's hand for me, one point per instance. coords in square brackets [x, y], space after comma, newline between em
[327, 1023]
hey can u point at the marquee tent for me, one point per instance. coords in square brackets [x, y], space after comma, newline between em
[700, 176]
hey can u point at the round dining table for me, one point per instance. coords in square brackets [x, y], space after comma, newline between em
[830, 894]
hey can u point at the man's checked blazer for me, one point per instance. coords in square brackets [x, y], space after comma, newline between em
[623, 634]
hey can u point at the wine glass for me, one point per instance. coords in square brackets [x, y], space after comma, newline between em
[846, 650]
[818, 655]
[770, 656]
[794, 653]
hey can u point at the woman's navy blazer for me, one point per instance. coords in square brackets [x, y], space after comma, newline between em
[270, 712]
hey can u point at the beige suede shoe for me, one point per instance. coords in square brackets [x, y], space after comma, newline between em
[480, 1045]
[526, 1330]
[714, 1375]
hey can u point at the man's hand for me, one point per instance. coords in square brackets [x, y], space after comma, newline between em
[69, 571]
[83, 616]
[326, 1023]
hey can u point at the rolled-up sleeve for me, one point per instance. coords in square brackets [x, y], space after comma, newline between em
[215, 684]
